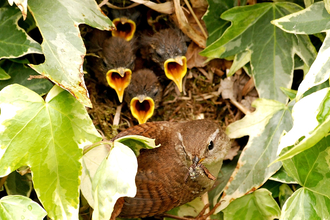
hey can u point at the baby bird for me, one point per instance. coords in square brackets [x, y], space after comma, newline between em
[143, 94]
[114, 60]
[168, 48]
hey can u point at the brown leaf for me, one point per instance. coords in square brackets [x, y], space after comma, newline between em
[193, 57]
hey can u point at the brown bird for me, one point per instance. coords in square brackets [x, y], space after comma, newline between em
[168, 48]
[125, 22]
[143, 94]
[184, 167]
[114, 60]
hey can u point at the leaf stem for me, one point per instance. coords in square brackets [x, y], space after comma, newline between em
[92, 146]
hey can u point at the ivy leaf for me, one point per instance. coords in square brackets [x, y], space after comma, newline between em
[16, 184]
[251, 30]
[62, 45]
[310, 169]
[3, 75]
[22, 5]
[283, 177]
[264, 126]
[257, 205]
[312, 20]
[19, 73]
[14, 42]
[20, 207]
[114, 178]
[47, 135]
[311, 124]
[137, 142]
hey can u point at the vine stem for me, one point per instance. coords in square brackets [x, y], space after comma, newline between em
[92, 146]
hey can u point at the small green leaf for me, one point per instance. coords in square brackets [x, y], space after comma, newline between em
[291, 94]
[284, 194]
[136, 143]
[327, 5]
[192, 208]
[306, 125]
[20, 207]
[14, 42]
[16, 184]
[239, 61]
[3, 75]
[283, 177]
[257, 205]
[114, 178]
[305, 205]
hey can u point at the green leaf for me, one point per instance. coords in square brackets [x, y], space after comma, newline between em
[137, 142]
[239, 61]
[22, 5]
[311, 167]
[283, 177]
[264, 126]
[273, 187]
[16, 184]
[305, 205]
[306, 124]
[192, 208]
[20, 207]
[311, 20]
[291, 94]
[284, 194]
[19, 73]
[62, 45]
[120, 168]
[327, 5]
[47, 135]
[214, 24]
[251, 30]
[257, 205]
[3, 75]
[14, 42]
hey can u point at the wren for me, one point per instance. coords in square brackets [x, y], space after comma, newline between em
[184, 167]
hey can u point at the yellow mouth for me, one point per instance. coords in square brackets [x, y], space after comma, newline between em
[119, 79]
[125, 28]
[142, 108]
[176, 69]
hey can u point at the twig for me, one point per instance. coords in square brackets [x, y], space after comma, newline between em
[195, 17]
[117, 115]
[239, 106]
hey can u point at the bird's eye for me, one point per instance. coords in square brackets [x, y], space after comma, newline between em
[211, 145]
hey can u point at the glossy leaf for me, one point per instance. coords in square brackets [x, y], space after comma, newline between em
[251, 30]
[192, 208]
[239, 61]
[62, 45]
[136, 143]
[264, 126]
[19, 73]
[120, 168]
[3, 75]
[282, 176]
[307, 130]
[257, 205]
[47, 135]
[214, 24]
[20, 208]
[284, 194]
[22, 5]
[14, 42]
[301, 205]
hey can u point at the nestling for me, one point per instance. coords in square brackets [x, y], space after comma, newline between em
[182, 168]
[143, 94]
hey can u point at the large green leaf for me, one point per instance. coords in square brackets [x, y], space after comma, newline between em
[214, 24]
[62, 45]
[312, 20]
[47, 135]
[251, 30]
[311, 123]
[14, 42]
[20, 208]
[305, 205]
[120, 168]
[19, 73]
[16, 184]
[264, 126]
[257, 205]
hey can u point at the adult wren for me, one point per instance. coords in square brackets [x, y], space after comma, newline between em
[113, 62]
[168, 48]
[143, 94]
[184, 167]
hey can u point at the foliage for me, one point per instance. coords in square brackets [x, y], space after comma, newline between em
[50, 135]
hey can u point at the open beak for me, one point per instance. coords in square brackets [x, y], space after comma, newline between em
[175, 69]
[125, 28]
[119, 79]
[142, 108]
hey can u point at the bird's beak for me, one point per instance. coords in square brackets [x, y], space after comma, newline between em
[142, 108]
[119, 79]
[175, 69]
[125, 28]
[196, 160]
